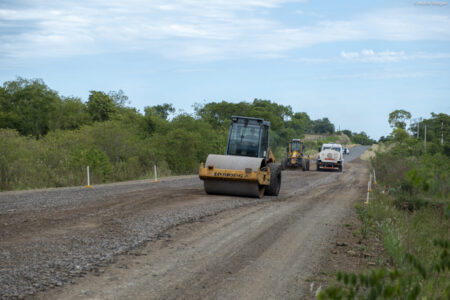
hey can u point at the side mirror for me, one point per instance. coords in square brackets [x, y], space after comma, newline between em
[319, 149]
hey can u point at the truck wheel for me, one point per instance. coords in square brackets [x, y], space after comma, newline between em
[340, 168]
[275, 180]
[318, 168]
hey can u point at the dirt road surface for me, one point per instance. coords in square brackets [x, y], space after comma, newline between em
[169, 240]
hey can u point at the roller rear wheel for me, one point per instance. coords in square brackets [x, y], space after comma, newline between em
[273, 189]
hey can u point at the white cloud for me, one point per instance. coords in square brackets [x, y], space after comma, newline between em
[198, 30]
[377, 76]
[372, 56]
[388, 56]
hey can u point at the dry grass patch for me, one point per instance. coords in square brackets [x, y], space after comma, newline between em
[370, 153]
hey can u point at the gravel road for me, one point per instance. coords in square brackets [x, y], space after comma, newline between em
[55, 237]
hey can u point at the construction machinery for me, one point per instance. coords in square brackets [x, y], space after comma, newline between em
[248, 167]
[295, 156]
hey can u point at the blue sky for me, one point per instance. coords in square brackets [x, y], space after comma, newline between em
[351, 61]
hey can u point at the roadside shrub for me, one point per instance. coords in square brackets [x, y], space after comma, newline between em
[112, 150]
[187, 143]
[99, 165]
[392, 167]
[396, 283]
[409, 202]
[19, 162]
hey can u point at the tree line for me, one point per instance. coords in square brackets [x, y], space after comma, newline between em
[33, 109]
[430, 134]
[47, 140]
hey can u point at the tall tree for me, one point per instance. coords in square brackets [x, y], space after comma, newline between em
[219, 113]
[323, 126]
[300, 122]
[347, 132]
[119, 98]
[398, 118]
[100, 106]
[362, 138]
[163, 110]
[30, 106]
[9, 118]
[72, 114]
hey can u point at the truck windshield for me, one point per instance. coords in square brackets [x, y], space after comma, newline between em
[244, 140]
[332, 148]
[296, 146]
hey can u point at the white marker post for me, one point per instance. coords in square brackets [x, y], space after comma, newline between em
[88, 179]
[368, 189]
[156, 175]
[374, 177]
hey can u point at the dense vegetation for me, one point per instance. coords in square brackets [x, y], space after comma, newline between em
[410, 213]
[47, 140]
[359, 138]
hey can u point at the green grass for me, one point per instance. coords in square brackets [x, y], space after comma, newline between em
[419, 266]
[409, 238]
[406, 231]
[403, 232]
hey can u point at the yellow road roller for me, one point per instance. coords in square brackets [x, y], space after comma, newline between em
[248, 167]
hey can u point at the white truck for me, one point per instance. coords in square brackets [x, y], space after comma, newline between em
[331, 157]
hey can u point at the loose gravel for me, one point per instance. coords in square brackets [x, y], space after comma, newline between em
[40, 263]
[57, 256]
[55, 198]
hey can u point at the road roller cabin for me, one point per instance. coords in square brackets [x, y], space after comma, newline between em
[248, 167]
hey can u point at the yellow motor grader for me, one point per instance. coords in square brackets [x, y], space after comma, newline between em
[248, 167]
[295, 156]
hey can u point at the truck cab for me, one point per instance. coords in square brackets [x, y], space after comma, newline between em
[331, 157]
